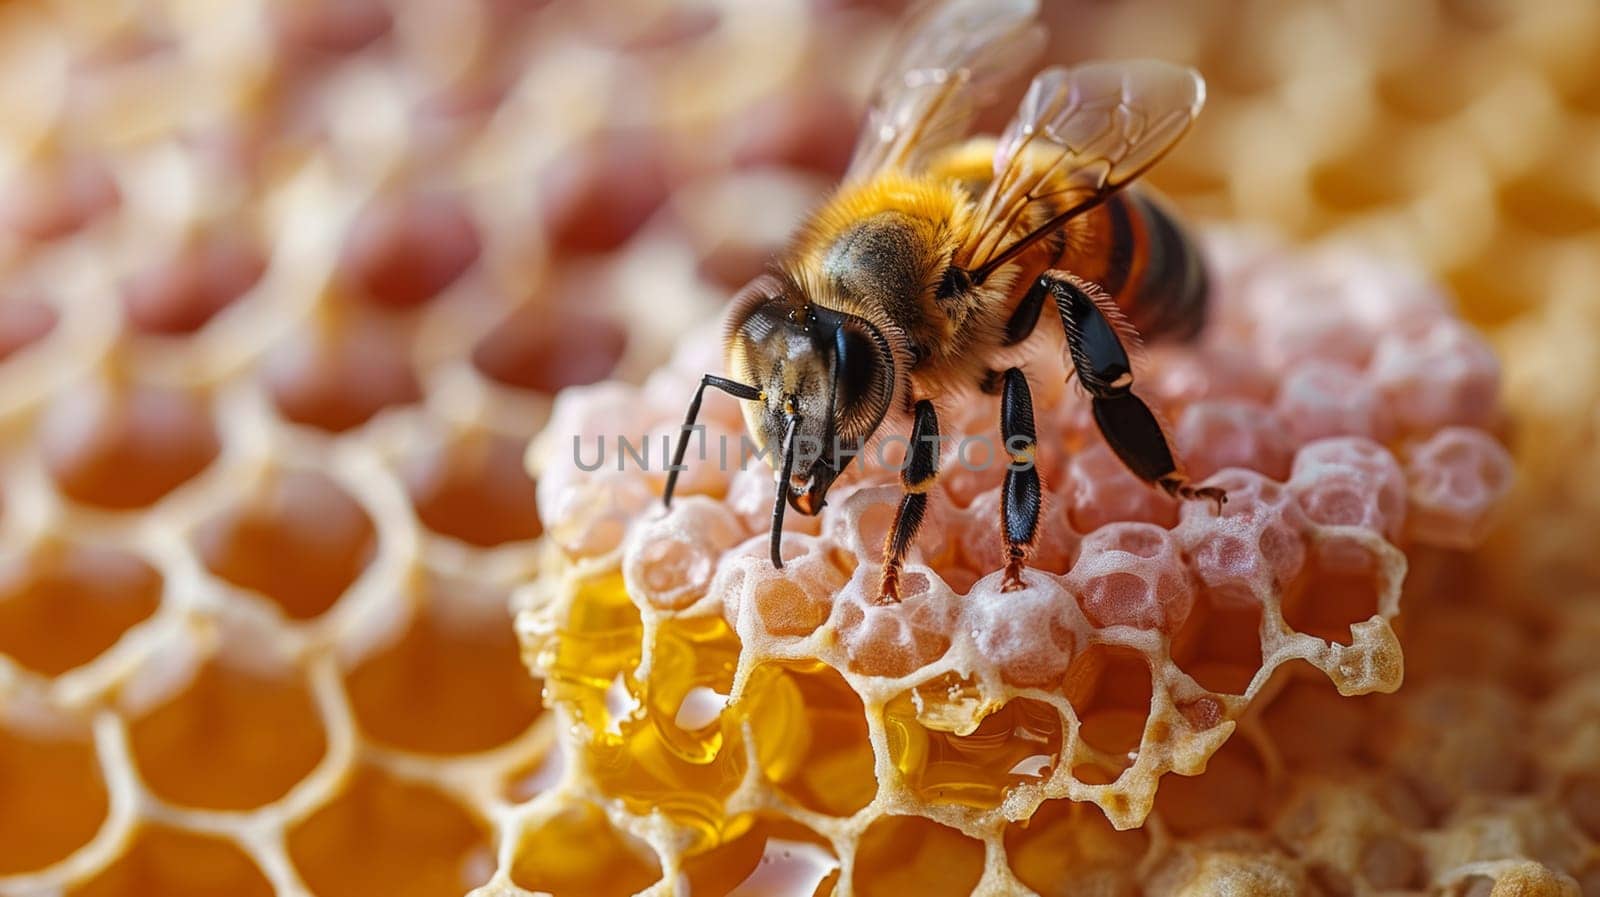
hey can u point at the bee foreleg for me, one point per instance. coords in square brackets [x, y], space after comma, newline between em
[1021, 494]
[916, 480]
[1101, 362]
[731, 387]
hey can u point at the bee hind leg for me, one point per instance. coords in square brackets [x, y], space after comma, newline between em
[1132, 431]
[916, 480]
[1095, 334]
[1022, 495]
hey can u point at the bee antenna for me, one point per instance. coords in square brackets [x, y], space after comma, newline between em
[731, 387]
[782, 503]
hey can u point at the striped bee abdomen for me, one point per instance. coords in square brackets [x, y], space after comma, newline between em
[1134, 248]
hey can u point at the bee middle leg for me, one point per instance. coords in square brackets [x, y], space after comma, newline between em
[1021, 494]
[1024, 319]
[916, 480]
[1026, 316]
[1101, 361]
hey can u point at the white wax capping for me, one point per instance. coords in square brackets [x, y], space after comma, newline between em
[1029, 634]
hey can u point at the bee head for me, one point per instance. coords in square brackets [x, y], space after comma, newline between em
[826, 377]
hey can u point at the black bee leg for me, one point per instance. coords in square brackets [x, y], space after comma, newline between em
[1102, 365]
[731, 387]
[1022, 321]
[1134, 434]
[1018, 328]
[916, 479]
[1021, 495]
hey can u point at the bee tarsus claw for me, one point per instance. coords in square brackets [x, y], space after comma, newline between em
[888, 588]
[1013, 582]
[1216, 496]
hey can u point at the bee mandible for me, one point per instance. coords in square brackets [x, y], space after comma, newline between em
[925, 272]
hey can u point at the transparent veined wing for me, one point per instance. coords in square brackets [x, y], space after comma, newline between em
[949, 59]
[1079, 135]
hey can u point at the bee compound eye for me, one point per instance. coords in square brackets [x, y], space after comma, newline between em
[864, 375]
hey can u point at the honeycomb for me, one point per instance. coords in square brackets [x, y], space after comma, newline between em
[286, 287]
[704, 692]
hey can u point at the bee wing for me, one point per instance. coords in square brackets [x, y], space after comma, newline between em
[950, 57]
[1079, 135]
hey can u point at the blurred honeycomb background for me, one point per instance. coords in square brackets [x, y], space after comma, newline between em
[287, 286]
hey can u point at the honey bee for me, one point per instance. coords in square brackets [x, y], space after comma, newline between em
[926, 271]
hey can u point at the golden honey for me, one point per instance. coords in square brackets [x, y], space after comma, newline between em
[170, 862]
[946, 757]
[576, 853]
[669, 744]
[827, 763]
